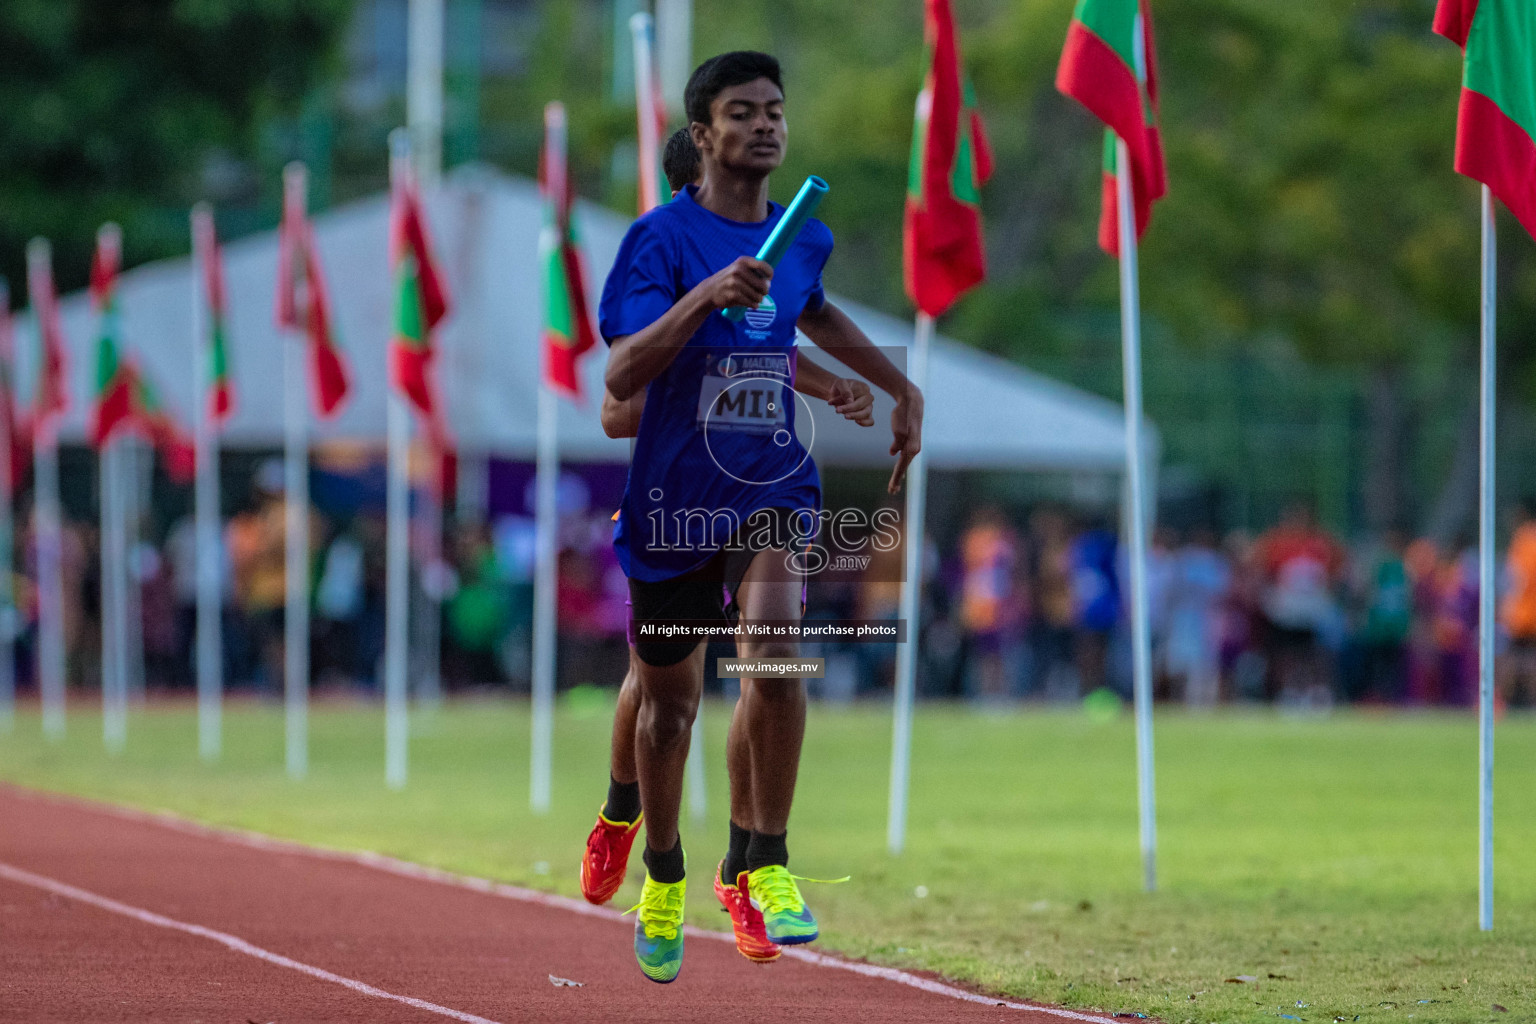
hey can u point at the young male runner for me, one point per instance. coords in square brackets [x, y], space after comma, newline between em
[606, 857]
[703, 466]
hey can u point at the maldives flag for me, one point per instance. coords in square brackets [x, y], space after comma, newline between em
[1109, 65]
[303, 304]
[20, 443]
[150, 415]
[1496, 127]
[113, 408]
[52, 383]
[221, 392]
[943, 253]
[568, 329]
[421, 303]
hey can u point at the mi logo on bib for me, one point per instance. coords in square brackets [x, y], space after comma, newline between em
[759, 321]
[744, 392]
[747, 392]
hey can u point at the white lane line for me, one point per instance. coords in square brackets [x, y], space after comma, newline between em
[927, 985]
[232, 942]
[423, 873]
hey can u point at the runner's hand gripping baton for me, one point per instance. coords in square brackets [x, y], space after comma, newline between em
[785, 231]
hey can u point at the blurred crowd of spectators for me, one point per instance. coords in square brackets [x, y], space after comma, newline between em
[1038, 607]
[480, 584]
[1031, 606]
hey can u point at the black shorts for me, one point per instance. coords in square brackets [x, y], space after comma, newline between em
[707, 593]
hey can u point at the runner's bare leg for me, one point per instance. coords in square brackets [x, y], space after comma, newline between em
[669, 700]
[738, 755]
[771, 710]
[621, 752]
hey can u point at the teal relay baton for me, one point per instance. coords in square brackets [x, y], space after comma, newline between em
[786, 230]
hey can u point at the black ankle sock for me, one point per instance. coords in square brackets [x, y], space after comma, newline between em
[623, 803]
[735, 854]
[665, 867]
[764, 849]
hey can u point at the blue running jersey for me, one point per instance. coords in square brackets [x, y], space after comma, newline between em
[717, 437]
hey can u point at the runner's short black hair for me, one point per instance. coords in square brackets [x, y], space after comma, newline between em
[680, 160]
[720, 73]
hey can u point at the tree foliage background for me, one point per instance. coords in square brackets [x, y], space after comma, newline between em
[128, 110]
[1316, 257]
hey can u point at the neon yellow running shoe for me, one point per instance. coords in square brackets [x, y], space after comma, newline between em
[659, 929]
[786, 918]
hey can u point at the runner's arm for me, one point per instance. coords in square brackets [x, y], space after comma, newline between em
[622, 419]
[836, 334]
[635, 360]
[849, 396]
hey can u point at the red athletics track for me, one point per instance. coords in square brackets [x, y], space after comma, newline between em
[108, 914]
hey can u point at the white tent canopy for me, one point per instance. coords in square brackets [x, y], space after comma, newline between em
[982, 412]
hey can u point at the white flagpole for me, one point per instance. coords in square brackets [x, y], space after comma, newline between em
[397, 596]
[114, 569]
[1486, 540]
[296, 513]
[114, 586]
[424, 120]
[424, 89]
[674, 44]
[1141, 636]
[116, 575]
[911, 610]
[50, 612]
[649, 146]
[106, 501]
[48, 528]
[694, 773]
[7, 528]
[546, 520]
[210, 639]
[136, 464]
[397, 542]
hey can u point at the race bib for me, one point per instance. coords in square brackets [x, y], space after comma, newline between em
[745, 392]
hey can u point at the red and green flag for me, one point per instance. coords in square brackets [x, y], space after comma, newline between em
[113, 406]
[221, 391]
[568, 329]
[1496, 126]
[421, 303]
[150, 416]
[303, 304]
[52, 398]
[15, 429]
[943, 251]
[1109, 65]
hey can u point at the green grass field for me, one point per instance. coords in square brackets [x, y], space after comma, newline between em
[1332, 861]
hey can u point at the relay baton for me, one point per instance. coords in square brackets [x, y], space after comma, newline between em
[785, 231]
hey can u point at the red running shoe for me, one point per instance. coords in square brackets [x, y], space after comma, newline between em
[607, 857]
[746, 920]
